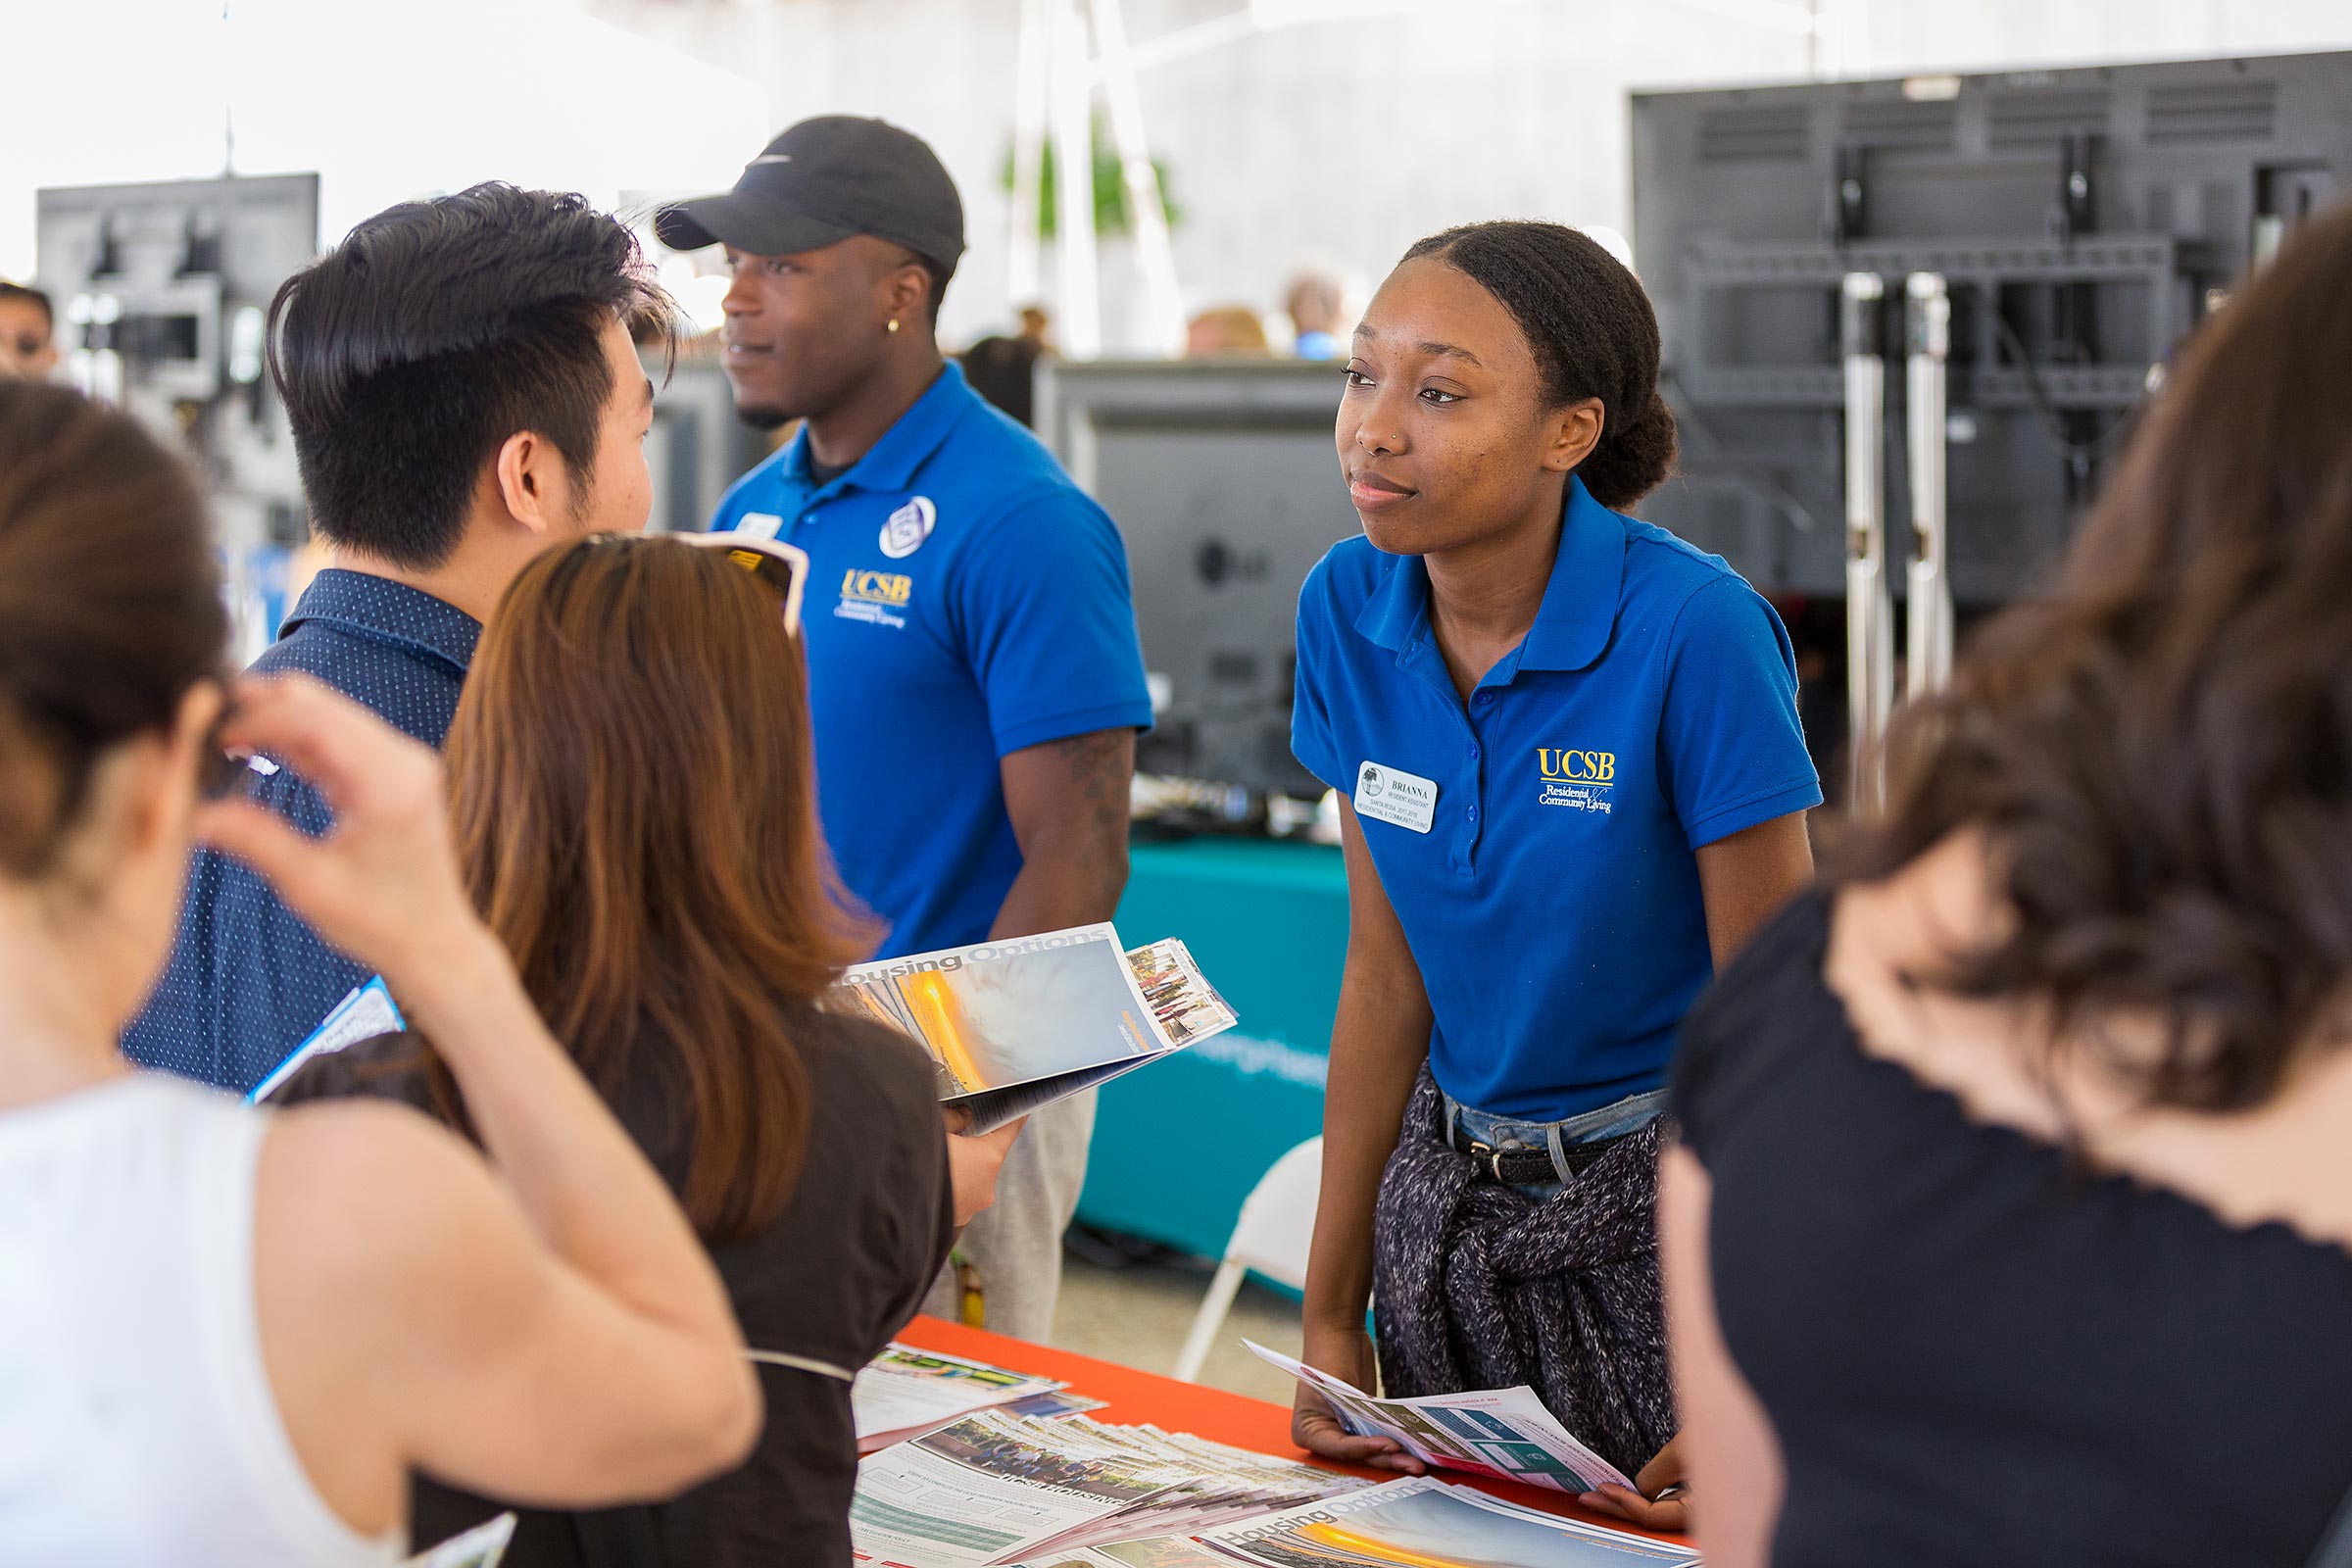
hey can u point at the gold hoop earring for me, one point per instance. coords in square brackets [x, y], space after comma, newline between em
[894, 324]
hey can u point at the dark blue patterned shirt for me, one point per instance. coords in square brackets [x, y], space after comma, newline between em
[248, 980]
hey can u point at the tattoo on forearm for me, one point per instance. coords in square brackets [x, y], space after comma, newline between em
[1100, 767]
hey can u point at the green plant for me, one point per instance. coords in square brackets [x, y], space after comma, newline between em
[1113, 213]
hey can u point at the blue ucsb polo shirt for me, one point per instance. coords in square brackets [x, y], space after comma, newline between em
[965, 601]
[1539, 845]
[248, 979]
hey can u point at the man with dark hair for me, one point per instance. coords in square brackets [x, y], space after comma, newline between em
[464, 391]
[975, 682]
[27, 333]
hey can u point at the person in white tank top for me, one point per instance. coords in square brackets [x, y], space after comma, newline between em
[227, 1336]
[158, 1433]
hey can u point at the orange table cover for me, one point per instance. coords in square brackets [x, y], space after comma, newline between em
[1141, 1397]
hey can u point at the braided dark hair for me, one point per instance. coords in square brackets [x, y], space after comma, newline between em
[1594, 335]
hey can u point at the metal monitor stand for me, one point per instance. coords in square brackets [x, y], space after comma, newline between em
[1869, 601]
[1929, 665]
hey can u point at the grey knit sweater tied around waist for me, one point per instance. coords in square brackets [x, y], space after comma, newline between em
[1476, 1286]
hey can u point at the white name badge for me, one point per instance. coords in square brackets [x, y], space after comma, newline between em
[765, 524]
[1389, 795]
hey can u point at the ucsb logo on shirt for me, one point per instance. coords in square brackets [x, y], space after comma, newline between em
[875, 597]
[876, 587]
[1577, 768]
[1580, 781]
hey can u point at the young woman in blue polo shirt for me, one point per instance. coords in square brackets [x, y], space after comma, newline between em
[1574, 783]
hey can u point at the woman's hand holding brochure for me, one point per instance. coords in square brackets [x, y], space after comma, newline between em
[976, 1159]
[1315, 1426]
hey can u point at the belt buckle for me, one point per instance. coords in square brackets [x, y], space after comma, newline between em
[1480, 1149]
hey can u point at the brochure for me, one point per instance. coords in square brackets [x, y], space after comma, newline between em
[482, 1546]
[999, 1489]
[364, 1014]
[1058, 1405]
[1221, 1485]
[1425, 1523]
[1160, 1552]
[1494, 1432]
[1180, 997]
[1017, 1025]
[905, 1393]
[987, 1490]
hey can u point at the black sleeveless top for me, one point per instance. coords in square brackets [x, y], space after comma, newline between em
[1973, 1351]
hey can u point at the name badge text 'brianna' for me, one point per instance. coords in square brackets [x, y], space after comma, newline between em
[1391, 795]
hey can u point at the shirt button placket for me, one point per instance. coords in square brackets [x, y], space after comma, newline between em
[1467, 865]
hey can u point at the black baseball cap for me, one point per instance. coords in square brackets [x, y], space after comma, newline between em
[821, 182]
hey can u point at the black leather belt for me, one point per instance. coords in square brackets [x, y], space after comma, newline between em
[1530, 1166]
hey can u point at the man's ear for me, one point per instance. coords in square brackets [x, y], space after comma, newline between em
[906, 295]
[1575, 433]
[532, 480]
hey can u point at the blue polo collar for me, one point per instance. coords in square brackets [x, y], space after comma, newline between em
[890, 464]
[389, 612]
[1578, 611]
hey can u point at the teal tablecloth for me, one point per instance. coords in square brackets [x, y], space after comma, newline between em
[1179, 1144]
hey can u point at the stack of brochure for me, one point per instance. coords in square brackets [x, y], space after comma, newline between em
[905, 1393]
[1506, 1433]
[997, 1487]
[1406, 1524]
[1017, 1025]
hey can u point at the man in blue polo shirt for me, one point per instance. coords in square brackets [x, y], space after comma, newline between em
[464, 391]
[975, 682]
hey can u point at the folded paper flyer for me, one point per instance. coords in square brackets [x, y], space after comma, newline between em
[1492, 1432]
[483, 1546]
[368, 1011]
[1017, 1025]
[905, 1393]
[1425, 1523]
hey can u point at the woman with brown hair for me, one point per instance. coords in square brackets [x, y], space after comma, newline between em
[228, 1335]
[631, 785]
[2013, 1220]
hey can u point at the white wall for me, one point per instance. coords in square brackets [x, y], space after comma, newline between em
[385, 101]
[1334, 142]
[1341, 142]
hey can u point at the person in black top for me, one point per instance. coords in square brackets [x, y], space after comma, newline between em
[2013, 1219]
[632, 792]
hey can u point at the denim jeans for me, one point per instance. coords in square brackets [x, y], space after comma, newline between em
[1626, 1115]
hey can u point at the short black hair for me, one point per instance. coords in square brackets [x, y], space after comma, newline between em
[437, 329]
[1594, 335]
[32, 296]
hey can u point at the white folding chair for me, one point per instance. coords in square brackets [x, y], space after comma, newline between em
[1278, 1220]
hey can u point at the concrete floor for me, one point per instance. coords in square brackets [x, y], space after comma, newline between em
[1139, 1314]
